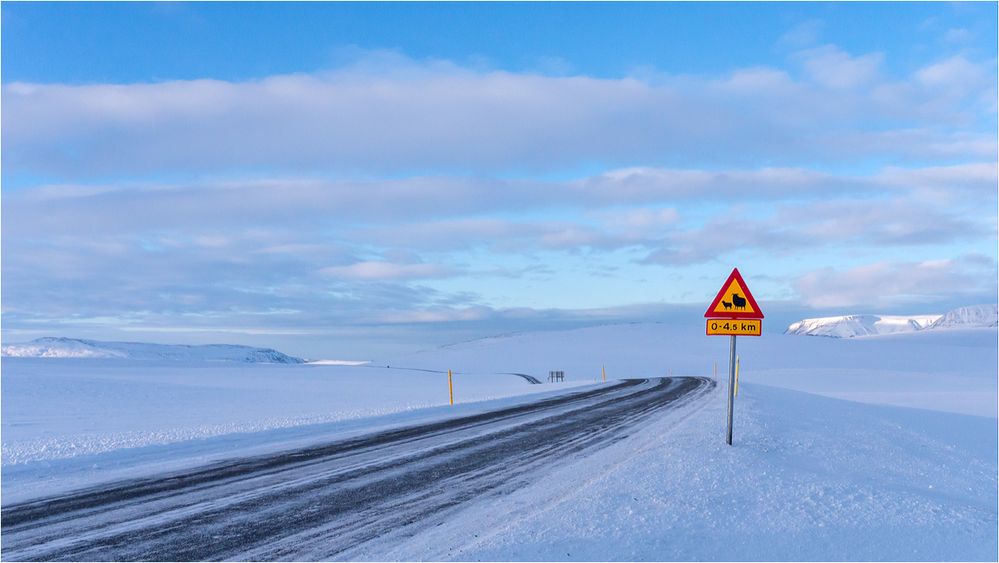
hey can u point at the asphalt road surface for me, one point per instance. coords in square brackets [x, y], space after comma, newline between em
[337, 500]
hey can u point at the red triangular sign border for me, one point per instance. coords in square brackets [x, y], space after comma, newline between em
[721, 295]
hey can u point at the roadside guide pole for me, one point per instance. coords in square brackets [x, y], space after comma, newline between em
[731, 389]
[450, 387]
[737, 376]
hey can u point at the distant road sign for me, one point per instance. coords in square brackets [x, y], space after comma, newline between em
[734, 300]
[734, 327]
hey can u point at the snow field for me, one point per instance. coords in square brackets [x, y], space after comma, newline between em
[950, 370]
[808, 478]
[59, 408]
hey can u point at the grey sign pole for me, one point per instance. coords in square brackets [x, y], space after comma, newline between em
[731, 389]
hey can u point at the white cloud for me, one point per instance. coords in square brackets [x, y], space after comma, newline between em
[640, 219]
[832, 67]
[815, 226]
[802, 34]
[663, 184]
[959, 35]
[308, 203]
[331, 252]
[976, 182]
[760, 81]
[885, 284]
[954, 72]
[377, 270]
[398, 115]
[300, 220]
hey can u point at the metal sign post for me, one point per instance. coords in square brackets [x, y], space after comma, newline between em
[731, 389]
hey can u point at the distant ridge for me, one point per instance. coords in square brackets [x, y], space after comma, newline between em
[59, 347]
[849, 326]
[976, 315]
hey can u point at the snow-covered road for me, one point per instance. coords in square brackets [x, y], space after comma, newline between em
[351, 499]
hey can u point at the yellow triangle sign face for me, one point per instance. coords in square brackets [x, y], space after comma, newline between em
[734, 300]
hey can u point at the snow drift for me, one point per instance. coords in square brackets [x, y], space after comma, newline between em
[77, 348]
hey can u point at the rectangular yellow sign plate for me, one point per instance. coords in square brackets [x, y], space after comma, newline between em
[734, 327]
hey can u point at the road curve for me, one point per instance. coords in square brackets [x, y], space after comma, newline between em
[337, 500]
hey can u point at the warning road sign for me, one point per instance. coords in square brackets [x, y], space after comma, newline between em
[734, 312]
[734, 300]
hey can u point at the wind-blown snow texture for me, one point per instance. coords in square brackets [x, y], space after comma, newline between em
[809, 477]
[49, 347]
[850, 326]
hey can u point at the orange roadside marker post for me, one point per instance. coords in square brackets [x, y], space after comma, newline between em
[450, 387]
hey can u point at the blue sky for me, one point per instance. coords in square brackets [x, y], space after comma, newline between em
[359, 179]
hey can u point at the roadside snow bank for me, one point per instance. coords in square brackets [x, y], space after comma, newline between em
[808, 478]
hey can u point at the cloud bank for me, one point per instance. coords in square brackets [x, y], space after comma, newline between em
[395, 192]
[401, 115]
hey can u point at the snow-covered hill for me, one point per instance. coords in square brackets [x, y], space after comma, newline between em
[848, 326]
[974, 316]
[860, 325]
[50, 347]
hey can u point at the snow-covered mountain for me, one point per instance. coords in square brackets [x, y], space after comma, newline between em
[974, 316]
[860, 325]
[50, 347]
[866, 325]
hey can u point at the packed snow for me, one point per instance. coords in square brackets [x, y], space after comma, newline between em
[850, 326]
[903, 469]
[50, 347]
